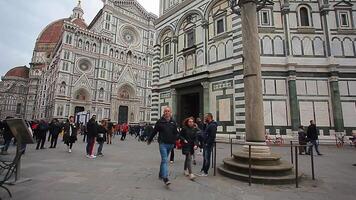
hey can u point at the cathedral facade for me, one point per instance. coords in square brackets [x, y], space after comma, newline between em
[103, 68]
[308, 55]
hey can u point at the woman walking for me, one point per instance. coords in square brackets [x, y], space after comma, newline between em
[102, 133]
[189, 136]
[70, 133]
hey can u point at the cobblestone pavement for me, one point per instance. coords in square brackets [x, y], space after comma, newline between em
[129, 171]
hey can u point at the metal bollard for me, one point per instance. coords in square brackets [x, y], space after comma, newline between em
[291, 151]
[231, 147]
[312, 162]
[215, 159]
[296, 167]
[249, 166]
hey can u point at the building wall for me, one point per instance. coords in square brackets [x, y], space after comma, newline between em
[103, 67]
[308, 62]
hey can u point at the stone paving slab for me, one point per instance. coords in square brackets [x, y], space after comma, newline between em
[129, 171]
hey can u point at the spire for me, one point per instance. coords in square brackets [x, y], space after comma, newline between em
[78, 11]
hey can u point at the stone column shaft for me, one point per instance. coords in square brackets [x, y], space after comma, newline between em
[336, 104]
[206, 97]
[293, 102]
[255, 129]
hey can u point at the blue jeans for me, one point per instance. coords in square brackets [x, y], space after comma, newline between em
[207, 156]
[164, 149]
[316, 146]
[90, 144]
[100, 147]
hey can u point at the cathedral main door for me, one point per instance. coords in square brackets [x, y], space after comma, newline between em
[189, 103]
[123, 114]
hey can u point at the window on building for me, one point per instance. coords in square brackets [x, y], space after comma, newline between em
[304, 16]
[69, 39]
[87, 46]
[344, 19]
[190, 38]
[167, 49]
[101, 93]
[94, 48]
[18, 108]
[65, 66]
[66, 55]
[265, 18]
[220, 26]
[103, 74]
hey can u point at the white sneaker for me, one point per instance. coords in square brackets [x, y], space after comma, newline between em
[88, 156]
[203, 174]
[92, 157]
[186, 173]
[192, 176]
[70, 150]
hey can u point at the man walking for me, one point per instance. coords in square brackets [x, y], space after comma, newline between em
[92, 128]
[209, 136]
[168, 133]
[312, 136]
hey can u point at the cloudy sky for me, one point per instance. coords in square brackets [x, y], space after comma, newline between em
[21, 22]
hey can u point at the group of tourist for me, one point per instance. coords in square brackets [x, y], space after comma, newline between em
[168, 133]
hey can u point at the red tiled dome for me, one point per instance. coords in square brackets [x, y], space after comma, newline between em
[21, 71]
[53, 32]
[80, 22]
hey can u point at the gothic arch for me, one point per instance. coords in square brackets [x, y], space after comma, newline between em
[126, 91]
[162, 32]
[208, 9]
[182, 19]
[82, 94]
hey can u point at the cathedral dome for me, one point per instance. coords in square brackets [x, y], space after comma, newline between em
[53, 32]
[21, 72]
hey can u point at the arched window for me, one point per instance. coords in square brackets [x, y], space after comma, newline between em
[80, 43]
[62, 88]
[94, 48]
[116, 54]
[304, 16]
[87, 46]
[111, 54]
[101, 93]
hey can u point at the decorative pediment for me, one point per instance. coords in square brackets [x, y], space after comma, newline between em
[83, 81]
[134, 7]
[343, 3]
[127, 76]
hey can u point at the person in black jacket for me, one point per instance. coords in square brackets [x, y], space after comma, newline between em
[7, 134]
[168, 132]
[42, 132]
[312, 135]
[189, 136]
[302, 139]
[209, 140]
[102, 136]
[70, 133]
[54, 129]
[92, 129]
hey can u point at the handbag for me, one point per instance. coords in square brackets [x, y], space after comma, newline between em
[179, 144]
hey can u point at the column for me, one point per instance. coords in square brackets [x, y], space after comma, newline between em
[285, 13]
[205, 25]
[174, 103]
[255, 129]
[293, 101]
[336, 103]
[175, 50]
[155, 115]
[206, 97]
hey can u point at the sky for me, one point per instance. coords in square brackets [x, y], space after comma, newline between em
[21, 21]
